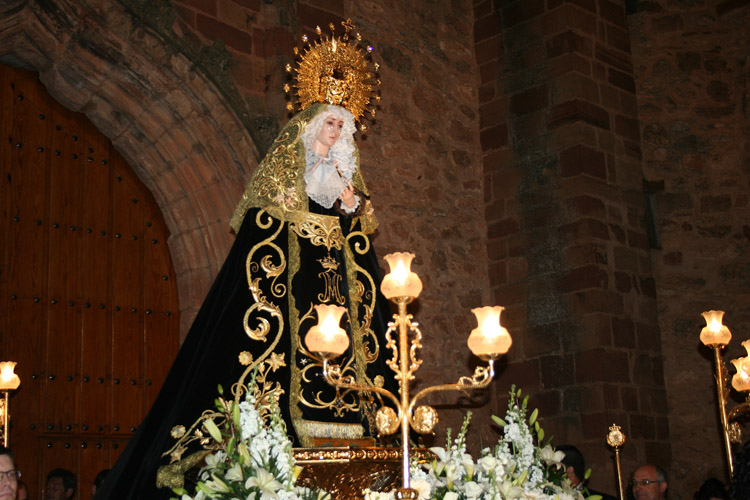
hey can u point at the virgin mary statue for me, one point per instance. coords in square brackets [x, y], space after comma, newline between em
[303, 238]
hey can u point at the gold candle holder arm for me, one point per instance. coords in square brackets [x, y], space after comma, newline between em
[482, 377]
[739, 410]
[333, 376]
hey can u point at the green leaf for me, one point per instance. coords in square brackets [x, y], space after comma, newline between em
[231, 445]
[518, 394]
[210, 426]
[532, 418]
[587, 474]
[221, 390]
[499, 421]
[236, 414]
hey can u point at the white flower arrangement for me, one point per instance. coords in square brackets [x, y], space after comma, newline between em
[253, 459]
[515, 468]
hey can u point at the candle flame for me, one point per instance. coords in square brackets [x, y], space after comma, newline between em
[715, 332]
[400, 273]
[329, 324]
[741, 379]
[8, 379]
[490, 337]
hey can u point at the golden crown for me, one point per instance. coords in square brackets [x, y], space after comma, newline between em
[335, 70]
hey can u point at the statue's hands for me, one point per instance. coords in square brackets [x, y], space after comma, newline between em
[348, 198]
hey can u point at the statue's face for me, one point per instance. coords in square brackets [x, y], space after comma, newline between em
[330, 131]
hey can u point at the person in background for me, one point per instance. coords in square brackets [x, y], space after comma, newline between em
[649, 482]
[9, 475]
[712, 489]
[575, 467]
[61, 485]
[98, 480]
[23, 491]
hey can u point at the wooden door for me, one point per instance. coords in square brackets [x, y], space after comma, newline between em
[88, 299]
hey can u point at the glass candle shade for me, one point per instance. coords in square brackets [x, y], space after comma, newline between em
[401, 281]
[8, 380]
[741, 379]
[327, 336]
[489, 338]
[715, 333]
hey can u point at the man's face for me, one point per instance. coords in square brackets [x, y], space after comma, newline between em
[8, 485]
[570, 471]
[647, 485]
[56, 489]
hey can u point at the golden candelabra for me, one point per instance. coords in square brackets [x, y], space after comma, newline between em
[716, 336]
[9, 381]
[616, 439]
[488, 341]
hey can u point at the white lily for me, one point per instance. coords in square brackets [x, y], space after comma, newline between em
[216, 485]
[487, 463]
[234, 473]
[451, 474]
[510, 492]
[213, 460]
[265, 482]
[536, 495]
[443, 457]
[472, 489]
[552, 457]
[468, 462]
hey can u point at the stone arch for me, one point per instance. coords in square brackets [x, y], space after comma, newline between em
[167, 119]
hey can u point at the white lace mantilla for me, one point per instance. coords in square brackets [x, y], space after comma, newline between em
[324, 181]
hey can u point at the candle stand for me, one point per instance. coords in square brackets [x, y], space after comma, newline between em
[488, 341]
[716, 336]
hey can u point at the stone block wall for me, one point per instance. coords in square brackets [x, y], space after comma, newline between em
[692, 70]
[566, 223]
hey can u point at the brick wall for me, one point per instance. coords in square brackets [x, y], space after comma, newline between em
[565, 210]
[693, 81]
